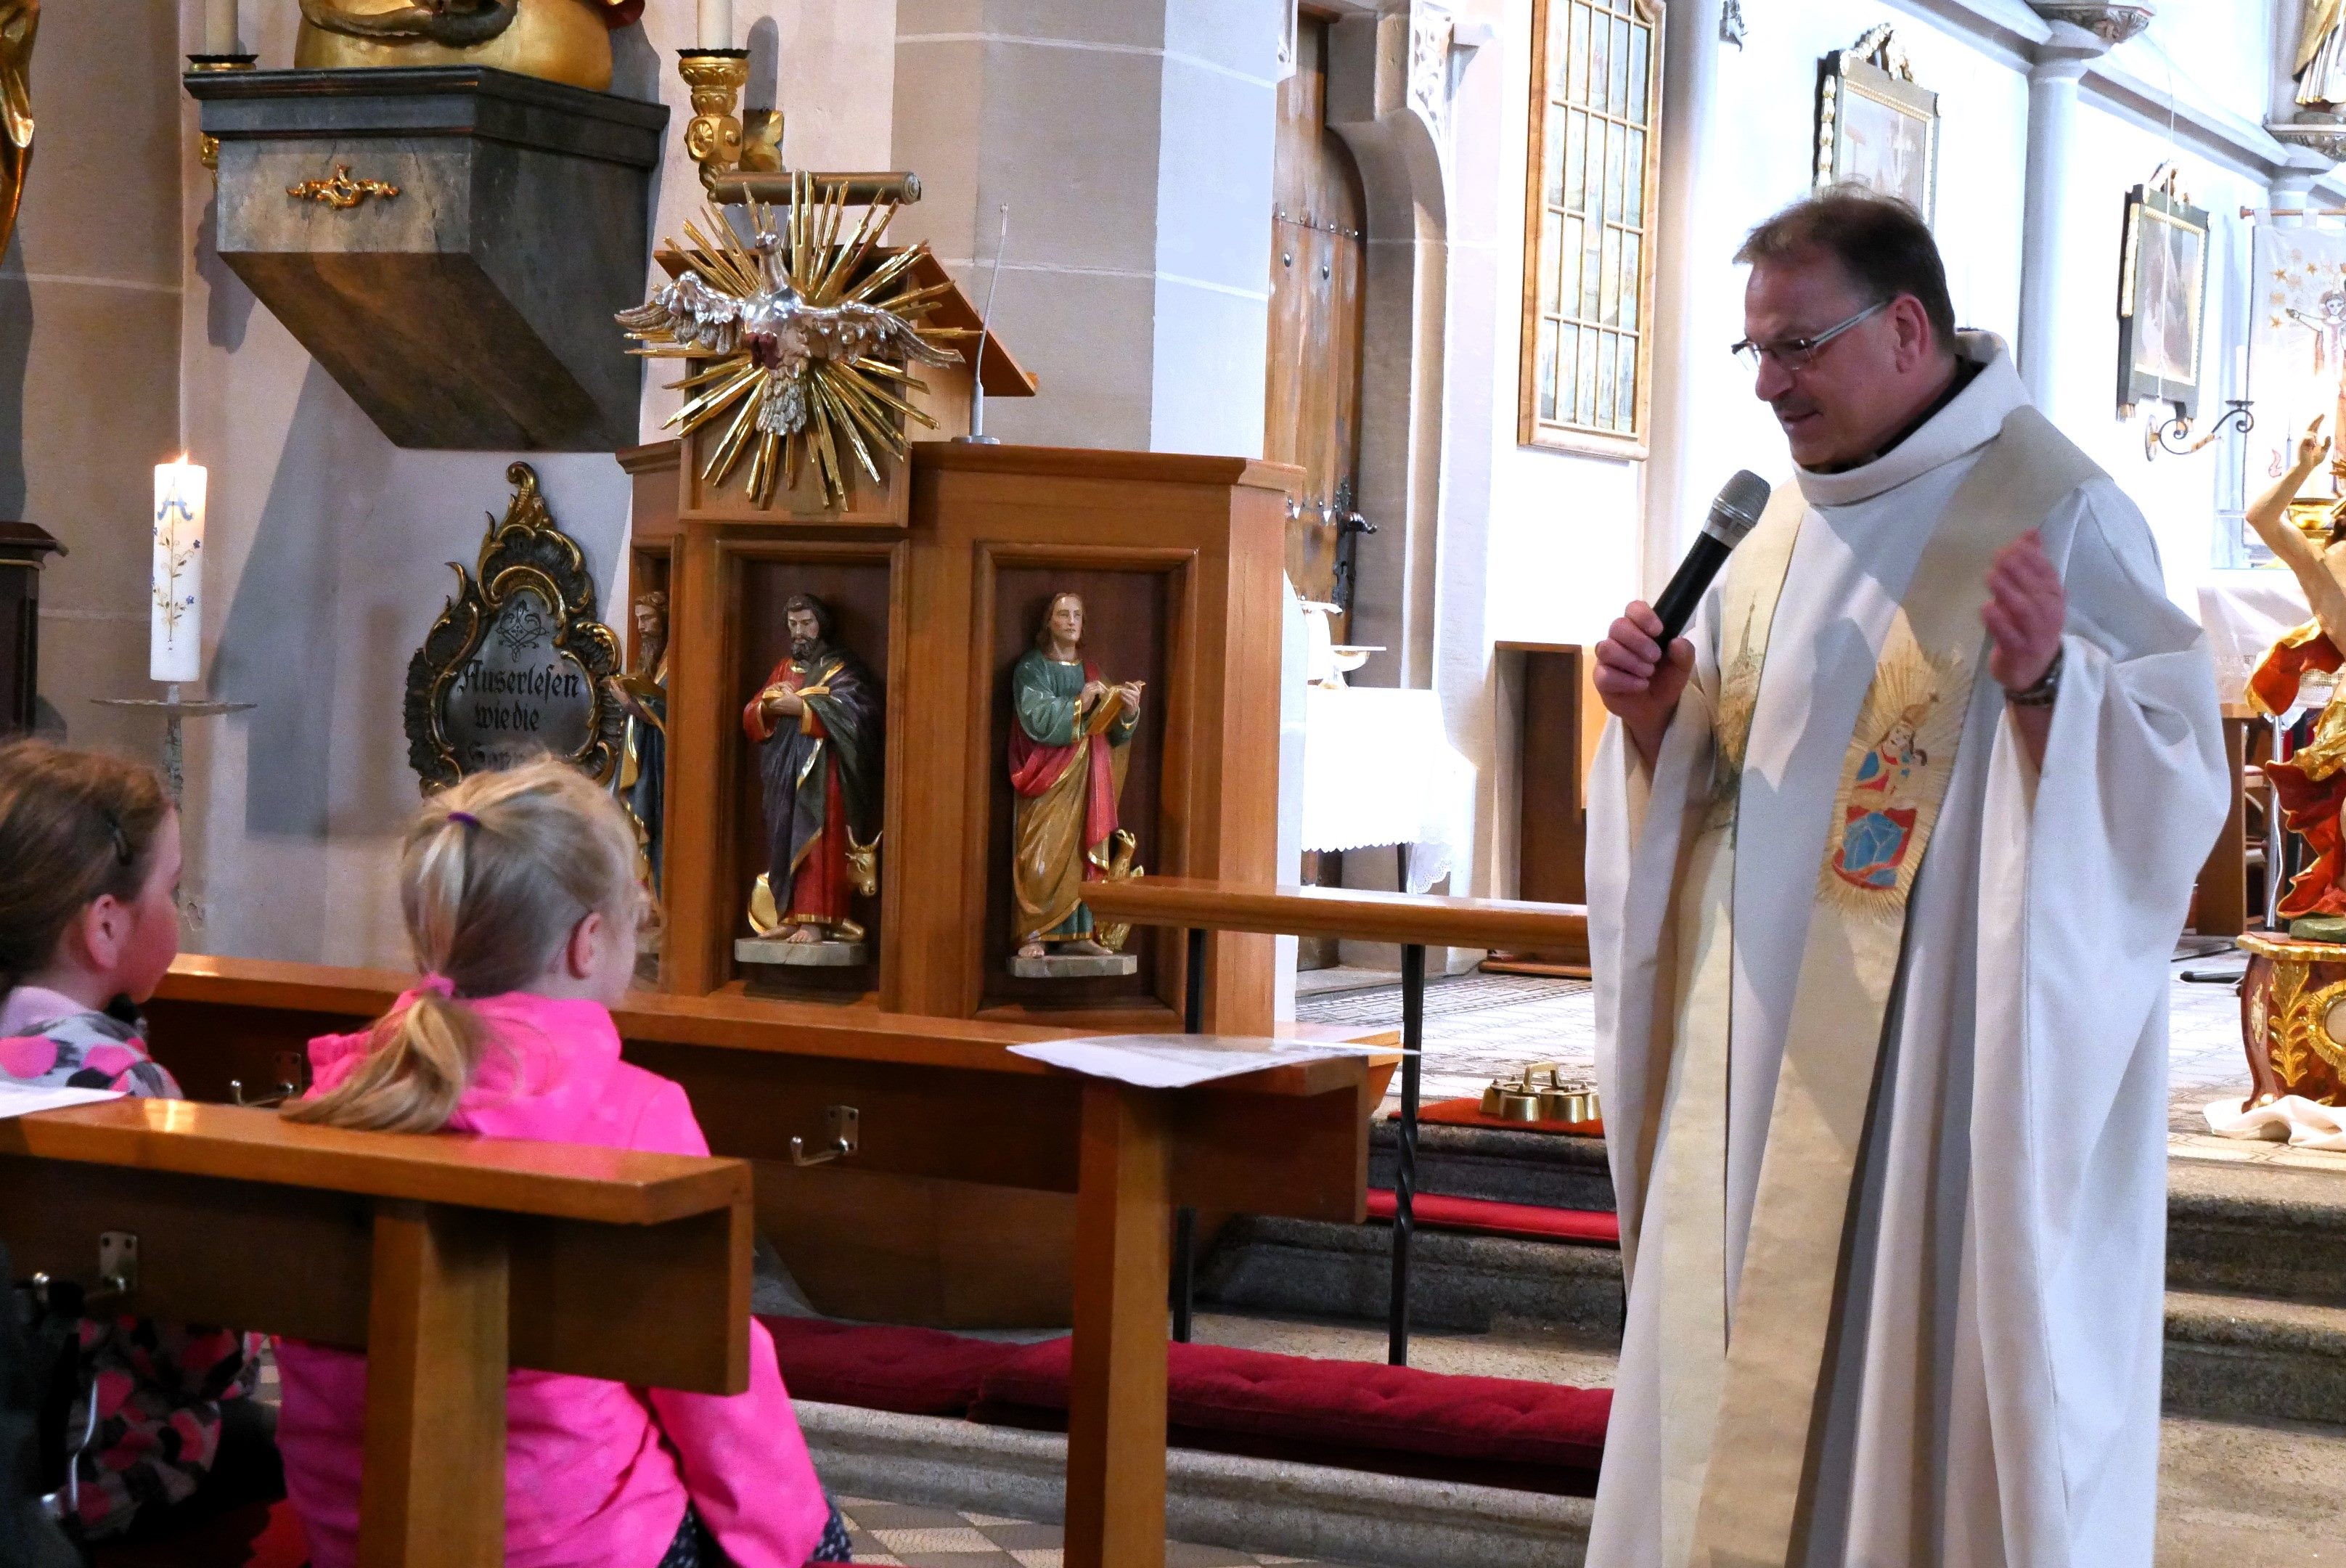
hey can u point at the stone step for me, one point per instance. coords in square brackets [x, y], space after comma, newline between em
[2240, 1494]
[2247, 1228]
[1552, 1169]
[2255, 1231]
[1269, 1506]
[2228, 1355]
[2244, 1357]
[1457, 1281]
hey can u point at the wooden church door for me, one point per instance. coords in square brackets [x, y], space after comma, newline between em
[1312, 414]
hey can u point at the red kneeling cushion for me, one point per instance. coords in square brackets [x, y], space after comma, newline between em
[880, 1367]
[1493, 1219]
[1361, 1415]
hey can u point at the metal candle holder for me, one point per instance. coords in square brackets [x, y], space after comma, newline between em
[2174, 435]
[175, 710]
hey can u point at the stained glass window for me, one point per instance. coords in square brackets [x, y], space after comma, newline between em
[1588, 251]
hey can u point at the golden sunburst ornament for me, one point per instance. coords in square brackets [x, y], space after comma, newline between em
[810, 337]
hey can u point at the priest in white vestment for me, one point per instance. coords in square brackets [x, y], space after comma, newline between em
[1886, 863]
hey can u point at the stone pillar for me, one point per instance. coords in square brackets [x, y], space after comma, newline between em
[2293, 187]
[2048, 201]
[1132, 146]
[1688, 253]
[89, 338]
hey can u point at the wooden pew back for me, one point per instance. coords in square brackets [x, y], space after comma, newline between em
[626, 1265]
[940, 1098]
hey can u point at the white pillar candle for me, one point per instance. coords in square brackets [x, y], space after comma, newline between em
[175, 629]
[220, 27]
[2241, 369]
[716, 23]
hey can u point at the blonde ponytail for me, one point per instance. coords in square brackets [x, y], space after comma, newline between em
[495, 873]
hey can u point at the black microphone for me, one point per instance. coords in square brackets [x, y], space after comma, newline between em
[1740, 500]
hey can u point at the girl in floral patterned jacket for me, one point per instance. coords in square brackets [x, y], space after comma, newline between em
[90, 867]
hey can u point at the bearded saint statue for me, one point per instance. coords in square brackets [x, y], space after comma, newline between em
[1068, 748]
[817, 723]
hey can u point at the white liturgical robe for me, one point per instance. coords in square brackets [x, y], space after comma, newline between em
[1990, 1393]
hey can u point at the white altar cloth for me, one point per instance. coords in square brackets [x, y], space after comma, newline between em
[2242, 613]
[1378, 768]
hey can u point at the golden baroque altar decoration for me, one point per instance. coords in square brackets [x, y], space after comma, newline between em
[805, 335]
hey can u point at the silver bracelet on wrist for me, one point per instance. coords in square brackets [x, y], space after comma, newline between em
[2041, 694]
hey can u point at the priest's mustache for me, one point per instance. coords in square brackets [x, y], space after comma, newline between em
[1733, 513]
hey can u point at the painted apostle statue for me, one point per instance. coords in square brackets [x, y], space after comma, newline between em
[1068, 746]
[817, 723]
[641, 782]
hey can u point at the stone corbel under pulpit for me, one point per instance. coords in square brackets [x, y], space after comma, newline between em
[449, 242]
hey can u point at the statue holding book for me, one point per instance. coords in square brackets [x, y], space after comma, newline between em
[1070, 741]
[818, 726]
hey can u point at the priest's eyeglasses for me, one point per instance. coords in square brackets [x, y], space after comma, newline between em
[1793, 355]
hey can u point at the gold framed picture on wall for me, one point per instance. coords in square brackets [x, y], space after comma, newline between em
[2162, 292]
[1876, 127]
[1594, 131]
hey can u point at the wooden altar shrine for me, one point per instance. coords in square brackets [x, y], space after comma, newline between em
[937, 579]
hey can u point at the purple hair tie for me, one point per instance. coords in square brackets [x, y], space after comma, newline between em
[465, 817]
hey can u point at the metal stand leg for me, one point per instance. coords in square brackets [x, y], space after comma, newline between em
[1413, 1041]
[1193, 1010]
[1184, 1281]
[2276, 837]
[1185, 1218]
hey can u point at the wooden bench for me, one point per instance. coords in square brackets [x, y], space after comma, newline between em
[937, 1098]
[448, 1259]
[1415, 921]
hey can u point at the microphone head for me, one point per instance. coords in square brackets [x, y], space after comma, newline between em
[1737, 510]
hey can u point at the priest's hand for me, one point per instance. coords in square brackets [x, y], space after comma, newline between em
[781, 702]
[2025, 612]
[1639, 681]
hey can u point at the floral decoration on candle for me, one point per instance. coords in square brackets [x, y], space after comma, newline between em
[176, 626]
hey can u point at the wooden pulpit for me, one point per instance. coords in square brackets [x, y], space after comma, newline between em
[937, 580]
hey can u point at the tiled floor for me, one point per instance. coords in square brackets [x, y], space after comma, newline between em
[1476, 1025]
[1479, 1025]
[887, 1534]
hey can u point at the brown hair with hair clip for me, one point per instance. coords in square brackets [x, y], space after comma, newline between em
[75, 827]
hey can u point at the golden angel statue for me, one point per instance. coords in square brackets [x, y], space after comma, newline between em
[2321, 66]
[2311, 785]
[19, 20]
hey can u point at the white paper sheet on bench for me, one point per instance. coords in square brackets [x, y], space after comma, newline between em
[1178, 1061]
[23, 1099]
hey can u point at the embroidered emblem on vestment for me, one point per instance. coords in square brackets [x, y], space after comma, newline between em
[1895, 771]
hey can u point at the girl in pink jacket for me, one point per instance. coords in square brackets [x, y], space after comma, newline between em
[522, 905]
